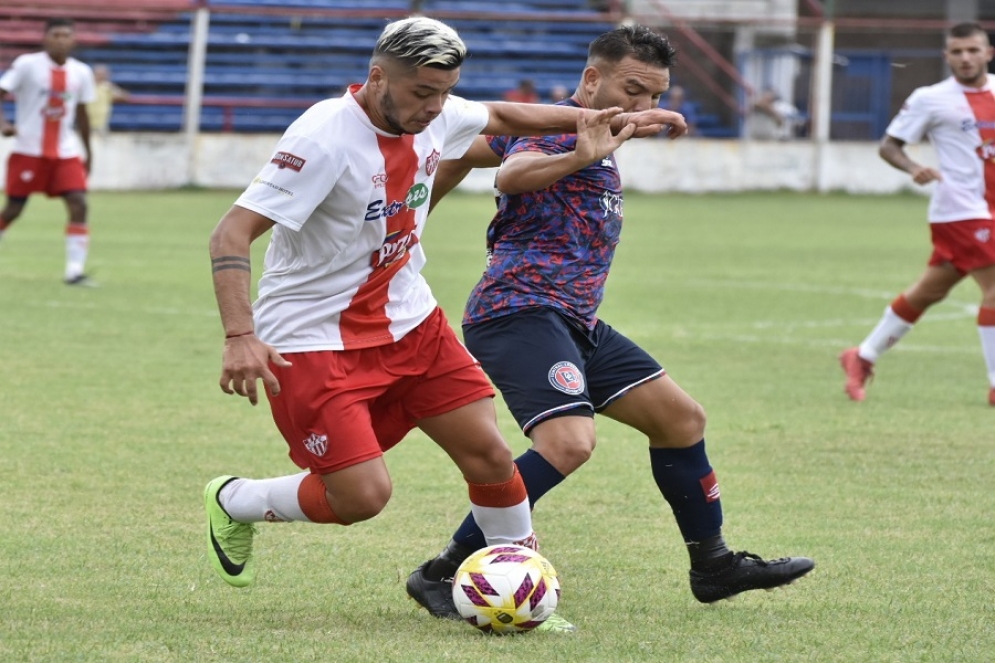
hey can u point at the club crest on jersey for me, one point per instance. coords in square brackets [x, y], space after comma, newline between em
[986, 150]
[288, 160]
[432, 162]
[317, 444]
[567, 378]
[380, 180]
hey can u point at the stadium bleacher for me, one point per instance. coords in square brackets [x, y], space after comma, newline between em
[267, 60]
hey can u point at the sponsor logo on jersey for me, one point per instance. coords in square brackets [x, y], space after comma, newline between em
[566, 377]
[317, 444]
[432, 162]
[983, 235]
[395, 247]
[710, 486]
[969, 124]
[378, 210]
[986, 150]
[417, 196]
[274, 186]
[288, 160]
[607, 162]
[380, 180]
[54, 113]
[611, 203]
[271, 517]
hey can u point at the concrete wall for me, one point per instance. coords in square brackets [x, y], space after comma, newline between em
[161, 161]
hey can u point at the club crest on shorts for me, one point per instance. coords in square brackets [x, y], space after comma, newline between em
[983, 235]
[567, 378]
[317, 444]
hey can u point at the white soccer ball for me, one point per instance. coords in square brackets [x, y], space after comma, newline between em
[506, 589]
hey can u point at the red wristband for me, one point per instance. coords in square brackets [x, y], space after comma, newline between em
[248, 333]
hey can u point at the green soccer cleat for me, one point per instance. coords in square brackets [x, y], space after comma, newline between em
[556, 624]
[229, 543]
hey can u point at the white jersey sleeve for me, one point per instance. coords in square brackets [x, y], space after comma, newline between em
[464, 122]
[11, 78]
[913, 120]
[88, 88]
[297, 179]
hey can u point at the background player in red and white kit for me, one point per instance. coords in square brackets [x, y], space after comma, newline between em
[957, 115]
[51, 91]
[345, 333]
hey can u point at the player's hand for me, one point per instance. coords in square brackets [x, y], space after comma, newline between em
[924, 175]
[8, 129]
[653, 121]
[594, 137]
[245, 360]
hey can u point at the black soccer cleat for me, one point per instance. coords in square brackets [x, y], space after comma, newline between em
[745, 572]
[436, 596]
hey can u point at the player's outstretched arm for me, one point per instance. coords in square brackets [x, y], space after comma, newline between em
[245, 358]
[892, 150]
[510, 119]
[534, 171]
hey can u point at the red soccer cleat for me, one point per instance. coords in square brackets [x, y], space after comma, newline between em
[991, 397]
[858, 371]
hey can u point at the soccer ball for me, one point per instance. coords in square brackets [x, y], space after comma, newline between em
[506, 589]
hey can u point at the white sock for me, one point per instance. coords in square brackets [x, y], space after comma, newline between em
[889, 331]
[256, 500]
[77, 246]
[988, 348]
[512, 524]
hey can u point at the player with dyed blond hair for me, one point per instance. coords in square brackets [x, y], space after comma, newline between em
[346, 336]
[52, 91]
[957, 115]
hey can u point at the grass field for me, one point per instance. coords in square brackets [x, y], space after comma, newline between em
[111, 422]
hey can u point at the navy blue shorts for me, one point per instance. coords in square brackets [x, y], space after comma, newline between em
[545, 365]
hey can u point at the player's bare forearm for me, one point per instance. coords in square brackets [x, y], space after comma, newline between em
[231, 266]
[892, 150]
[533, 171]
[511, 119]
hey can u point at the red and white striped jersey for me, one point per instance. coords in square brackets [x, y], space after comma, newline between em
[960, 123]
[47, 95]
[343, 266]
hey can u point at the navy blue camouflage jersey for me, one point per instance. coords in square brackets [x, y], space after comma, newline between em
[551, 247]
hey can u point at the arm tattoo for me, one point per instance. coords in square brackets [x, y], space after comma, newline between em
[215, 261]
[231, 265]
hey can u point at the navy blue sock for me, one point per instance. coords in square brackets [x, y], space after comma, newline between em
[539, 477]
[688, 483]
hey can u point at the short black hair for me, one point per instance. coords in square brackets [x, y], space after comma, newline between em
[59, 23]
[636, 41]
[962, 30]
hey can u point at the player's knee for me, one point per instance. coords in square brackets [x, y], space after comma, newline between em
[681, 428]
[363, 503]
[566, 452]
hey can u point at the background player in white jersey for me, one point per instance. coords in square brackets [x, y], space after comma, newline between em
[345, 333]
[958, 117]
[52, 91]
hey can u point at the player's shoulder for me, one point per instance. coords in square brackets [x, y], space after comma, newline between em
[79, 64]
[937, 92]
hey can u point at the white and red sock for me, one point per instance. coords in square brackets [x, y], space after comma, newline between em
[77, 247]
[502, 511]
[986, 329]
[897, 321]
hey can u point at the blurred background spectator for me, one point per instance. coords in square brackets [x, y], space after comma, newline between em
[677, 101]
[525, 93]
[107, 93]
[772, 118]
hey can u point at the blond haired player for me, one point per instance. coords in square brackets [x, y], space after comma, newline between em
[52, 90]
[957, 115]
[345, 334]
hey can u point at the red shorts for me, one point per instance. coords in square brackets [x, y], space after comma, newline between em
[967, 245]
[56, 177]
[339, 408]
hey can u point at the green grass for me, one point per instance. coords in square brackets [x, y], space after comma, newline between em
[111, 422]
